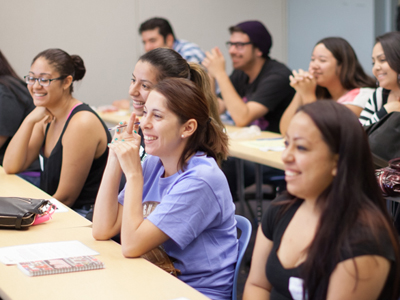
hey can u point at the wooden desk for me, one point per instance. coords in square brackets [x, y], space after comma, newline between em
[114, 117]
[14, 186]
[122, 278]
[243, 152]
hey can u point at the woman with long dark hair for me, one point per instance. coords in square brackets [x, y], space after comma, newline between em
[334, 73]
[330, 236]
[15, 104]
[68, 134]
[193, 219]
[386, 69]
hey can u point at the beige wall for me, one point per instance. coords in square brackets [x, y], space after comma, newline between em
[104, 33]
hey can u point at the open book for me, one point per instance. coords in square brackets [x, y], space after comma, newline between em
[60, 265]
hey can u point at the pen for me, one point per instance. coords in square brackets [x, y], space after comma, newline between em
[122, 126]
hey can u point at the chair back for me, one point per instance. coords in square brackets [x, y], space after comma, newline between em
[245, 227]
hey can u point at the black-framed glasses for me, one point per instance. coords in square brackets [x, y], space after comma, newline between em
[30, 80]
[238, 45]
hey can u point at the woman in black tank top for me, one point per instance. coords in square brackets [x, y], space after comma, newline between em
[71, 139]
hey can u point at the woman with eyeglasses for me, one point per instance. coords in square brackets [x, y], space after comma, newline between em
[15, 104]
[334, 73]
[69, 136]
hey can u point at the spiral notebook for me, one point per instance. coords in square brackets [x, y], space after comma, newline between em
[61, 265]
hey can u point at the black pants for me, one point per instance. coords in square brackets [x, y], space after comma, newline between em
[229, 169]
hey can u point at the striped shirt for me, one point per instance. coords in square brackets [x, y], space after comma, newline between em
[189, 51]
[374, 110]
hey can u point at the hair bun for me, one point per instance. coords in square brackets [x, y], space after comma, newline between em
[80, 69]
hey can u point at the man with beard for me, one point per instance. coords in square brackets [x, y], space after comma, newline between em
[258, 90]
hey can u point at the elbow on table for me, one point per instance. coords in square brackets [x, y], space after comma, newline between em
[9, 169]
[130, 251]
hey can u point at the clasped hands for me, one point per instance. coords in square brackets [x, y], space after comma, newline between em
[304, 83]
[125, 146]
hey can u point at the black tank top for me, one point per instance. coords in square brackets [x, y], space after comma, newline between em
[51, 172]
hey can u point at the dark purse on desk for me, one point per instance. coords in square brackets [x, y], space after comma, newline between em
[19, 212]
[384, 137]
[158, 256]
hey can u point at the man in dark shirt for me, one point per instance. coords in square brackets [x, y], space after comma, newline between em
[258, 90]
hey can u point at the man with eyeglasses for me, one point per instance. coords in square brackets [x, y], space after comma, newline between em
[258, 90]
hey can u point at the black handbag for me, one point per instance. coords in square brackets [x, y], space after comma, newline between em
[19, 212]
[384, 137]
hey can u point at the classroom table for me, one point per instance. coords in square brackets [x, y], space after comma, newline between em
[122, 278]
[238, 149]
[15, 186]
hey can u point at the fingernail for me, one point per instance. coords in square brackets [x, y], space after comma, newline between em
[116, 139]
[109, 144]
[112, 142]
[117, 130]
[121, 123]
[134, 131]
[122, 140]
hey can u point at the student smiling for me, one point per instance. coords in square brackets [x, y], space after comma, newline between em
[194, 220]
[334, 73]
[70, 137]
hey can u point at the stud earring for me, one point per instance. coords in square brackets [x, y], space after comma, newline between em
[182, 136]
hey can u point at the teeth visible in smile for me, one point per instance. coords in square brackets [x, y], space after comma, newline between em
[290, 173]
[40, 95]
[150, 138]
[138, 102]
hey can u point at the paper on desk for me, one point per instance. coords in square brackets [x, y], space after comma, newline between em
[60, 207]
[31, 252]
[272, 144]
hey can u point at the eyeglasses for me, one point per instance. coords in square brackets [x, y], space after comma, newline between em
[42, 81]
[238, 45]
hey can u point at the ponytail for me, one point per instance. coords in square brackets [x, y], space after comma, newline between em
[187, 101]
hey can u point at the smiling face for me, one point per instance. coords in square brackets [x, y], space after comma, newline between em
[386, 76]
[144, 77]
[46, 96]
[162, 129]
[244, 58]
[310, 166]
[323, 66]
[152, 39]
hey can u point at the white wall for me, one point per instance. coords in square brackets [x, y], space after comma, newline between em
[358, 21]
[104, 33]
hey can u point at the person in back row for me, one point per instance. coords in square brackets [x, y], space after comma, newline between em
[157, 33]
[334, 73]
[258, 90]
[386, 69]
[68, 134]
[15, 104]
